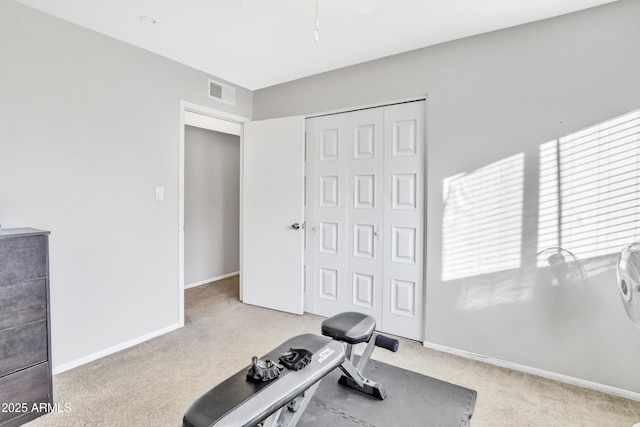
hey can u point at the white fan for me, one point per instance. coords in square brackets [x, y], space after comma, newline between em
[564, 265]
[628, 269]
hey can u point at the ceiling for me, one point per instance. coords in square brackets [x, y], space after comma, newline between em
[260, 43]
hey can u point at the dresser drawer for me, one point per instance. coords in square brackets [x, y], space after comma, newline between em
[23, 258]
[28, 386]
[22, 303]
[22, 347]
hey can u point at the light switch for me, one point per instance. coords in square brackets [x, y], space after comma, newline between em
[159, 193]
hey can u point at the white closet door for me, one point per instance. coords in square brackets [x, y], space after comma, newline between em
[365, 211]
[404, 220]
[365, 196]
[345, 227]
[328, 244]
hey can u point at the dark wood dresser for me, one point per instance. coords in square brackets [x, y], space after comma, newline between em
[25, 338]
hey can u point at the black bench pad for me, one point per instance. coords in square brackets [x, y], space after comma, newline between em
[350, 327]
[236, 402]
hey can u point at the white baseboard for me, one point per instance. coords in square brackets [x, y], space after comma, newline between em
[535, 371]
[213, 279]
[107, 351]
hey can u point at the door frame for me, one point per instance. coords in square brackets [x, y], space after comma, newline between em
[219, 125]
[368, 106]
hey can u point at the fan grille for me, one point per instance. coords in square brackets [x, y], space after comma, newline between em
[634, 265]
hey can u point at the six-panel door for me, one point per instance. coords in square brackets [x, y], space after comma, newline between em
[365, 204]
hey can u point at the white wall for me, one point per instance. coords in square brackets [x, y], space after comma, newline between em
[212, 205]
[491, 97]
[89, 127]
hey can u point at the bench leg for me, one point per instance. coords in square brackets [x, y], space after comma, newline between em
[353, 374]
[355, 380]
[289, 415]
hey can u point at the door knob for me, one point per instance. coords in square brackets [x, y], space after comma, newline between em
[296, 226]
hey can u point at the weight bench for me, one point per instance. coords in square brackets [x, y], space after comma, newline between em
[267, 394]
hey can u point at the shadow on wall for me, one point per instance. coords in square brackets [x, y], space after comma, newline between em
[581, 218]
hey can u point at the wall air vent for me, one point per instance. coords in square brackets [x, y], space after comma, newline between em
[222, 92]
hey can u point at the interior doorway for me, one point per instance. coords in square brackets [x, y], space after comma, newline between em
[212, 205]
[203, 122]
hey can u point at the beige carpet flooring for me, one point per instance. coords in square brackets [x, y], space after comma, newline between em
[153, 383]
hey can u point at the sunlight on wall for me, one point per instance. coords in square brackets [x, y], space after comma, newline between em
[590, 189]
[479, 294]
[482, 219]
[588, 206]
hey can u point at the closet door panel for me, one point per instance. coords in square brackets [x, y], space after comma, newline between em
[365, 211]
[328, 148]
[404, 220]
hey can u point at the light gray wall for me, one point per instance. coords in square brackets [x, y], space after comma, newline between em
[490, 97]
[89, 126]
[211, 205]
